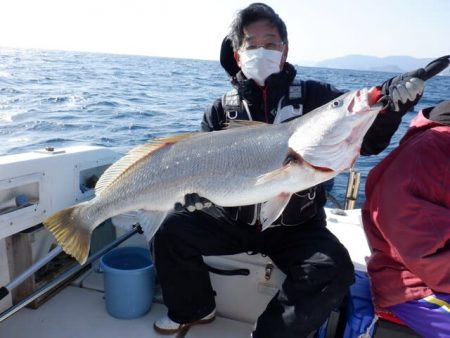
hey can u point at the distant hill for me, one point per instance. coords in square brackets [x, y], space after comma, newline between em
[394, 64]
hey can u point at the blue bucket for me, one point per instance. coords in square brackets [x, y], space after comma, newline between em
[129, 280]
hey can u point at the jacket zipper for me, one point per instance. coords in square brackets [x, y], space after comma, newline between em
[264, 97]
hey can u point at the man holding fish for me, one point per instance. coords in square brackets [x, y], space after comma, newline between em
[317, 266]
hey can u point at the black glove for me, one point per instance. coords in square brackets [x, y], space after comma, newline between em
[402, 92]
[193, 202]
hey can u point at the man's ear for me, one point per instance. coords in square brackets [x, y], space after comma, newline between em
[237, 58]
[284, 56]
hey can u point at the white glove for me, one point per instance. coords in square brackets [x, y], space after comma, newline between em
[410, 90]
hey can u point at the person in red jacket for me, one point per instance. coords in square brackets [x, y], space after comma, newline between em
[406, 218]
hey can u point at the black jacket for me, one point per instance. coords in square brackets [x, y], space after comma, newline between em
[304, 206]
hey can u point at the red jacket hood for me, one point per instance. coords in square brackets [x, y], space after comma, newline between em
[420, 123]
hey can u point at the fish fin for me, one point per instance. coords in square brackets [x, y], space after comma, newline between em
[292, 159]
[273, 208]
[150, 221]
[70, 232]
[133, 156]
[268, 177]
[242, 123]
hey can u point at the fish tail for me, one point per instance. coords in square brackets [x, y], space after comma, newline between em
[71, 233]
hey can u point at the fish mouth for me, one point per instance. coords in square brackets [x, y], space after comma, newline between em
[375, 95]
[353, 108]
[371, 96]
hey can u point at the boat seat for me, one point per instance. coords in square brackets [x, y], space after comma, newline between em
[388, 316]
[390, 326]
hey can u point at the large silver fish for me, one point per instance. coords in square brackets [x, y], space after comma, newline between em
[252, 163]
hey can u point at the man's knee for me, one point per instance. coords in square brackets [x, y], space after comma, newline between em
[321, 275]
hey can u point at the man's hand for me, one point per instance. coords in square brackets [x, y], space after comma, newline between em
[193, 202]
[406, 94]
[402, 93]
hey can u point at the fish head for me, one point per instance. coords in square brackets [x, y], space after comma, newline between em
[330, 137]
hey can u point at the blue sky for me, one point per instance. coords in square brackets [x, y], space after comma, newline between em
[318, 29]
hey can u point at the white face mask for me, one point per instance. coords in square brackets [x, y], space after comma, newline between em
[257, 64]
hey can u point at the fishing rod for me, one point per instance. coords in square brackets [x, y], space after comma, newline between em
[61, 278]
[430, 70]
[433, 68]
[5, 290]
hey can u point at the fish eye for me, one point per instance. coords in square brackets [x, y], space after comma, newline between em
[336, 103]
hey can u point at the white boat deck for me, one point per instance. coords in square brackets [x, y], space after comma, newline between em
[78, 311]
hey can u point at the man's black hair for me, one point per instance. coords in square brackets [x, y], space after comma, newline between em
[255, 12]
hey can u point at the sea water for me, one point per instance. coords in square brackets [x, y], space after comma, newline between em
[58, 98]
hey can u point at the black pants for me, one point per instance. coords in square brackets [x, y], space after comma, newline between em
[318, 269]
